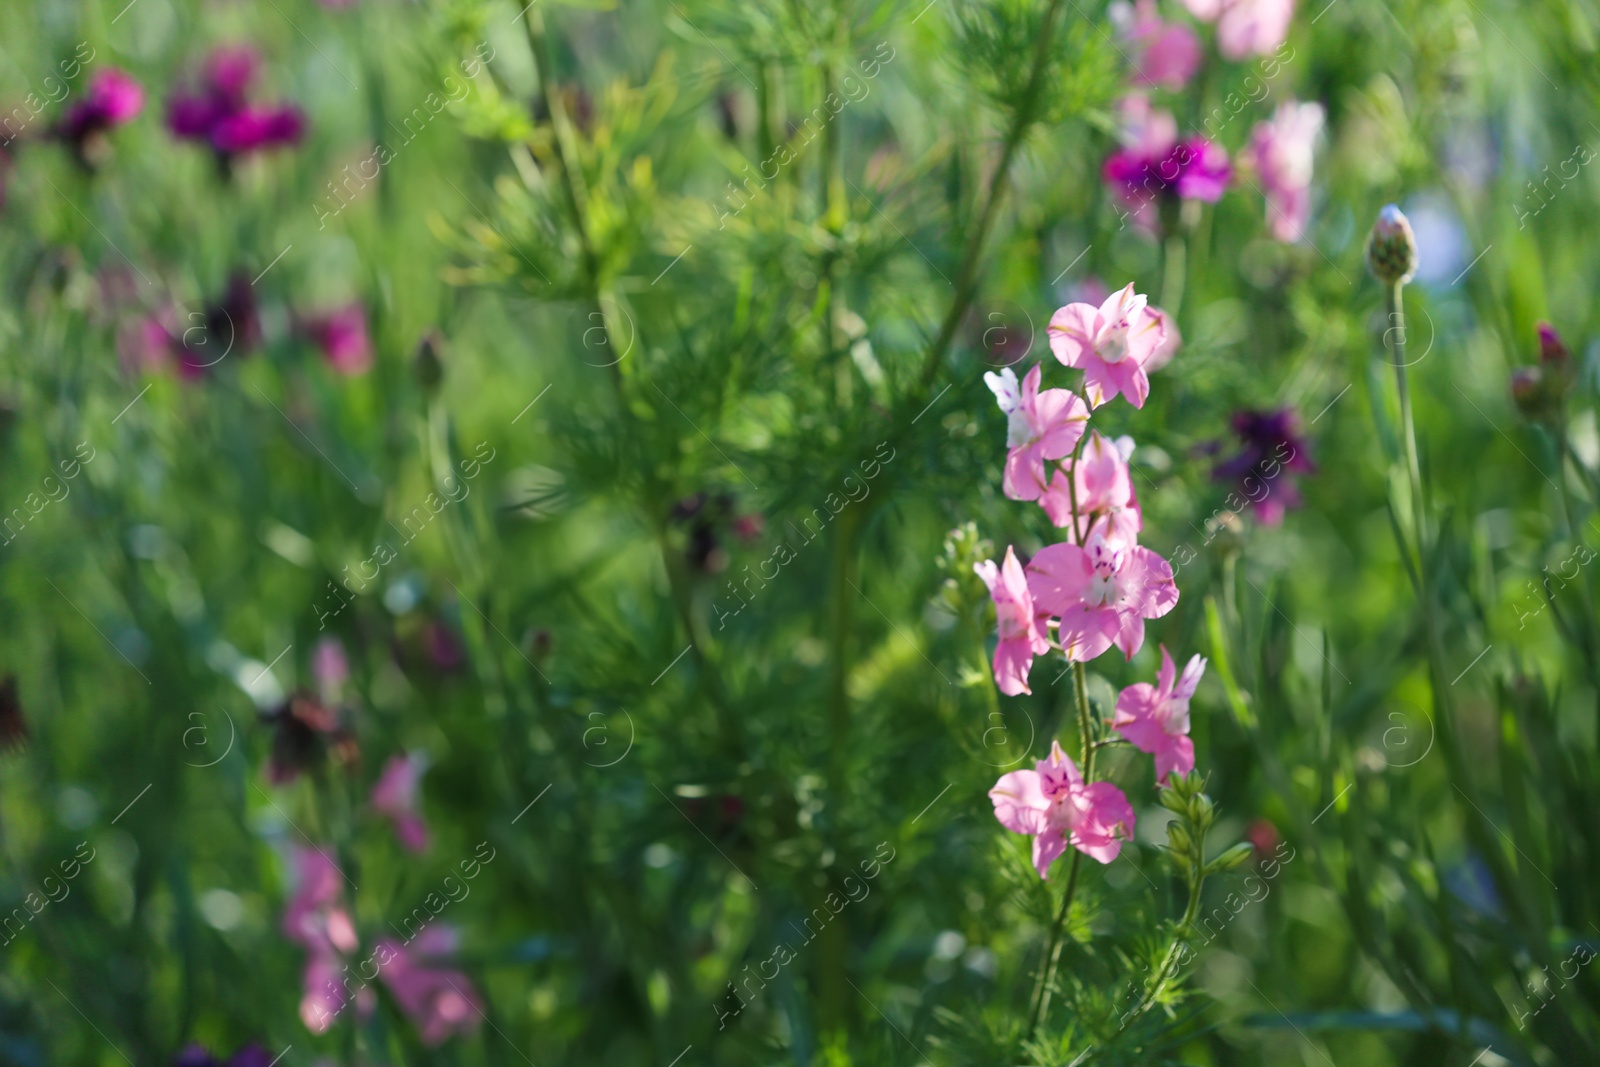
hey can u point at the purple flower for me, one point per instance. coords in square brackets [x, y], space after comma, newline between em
[113, 98]
[1193, 169]
[221, 115]
[1271, 453]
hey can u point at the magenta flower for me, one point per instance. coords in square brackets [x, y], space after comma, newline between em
[220, 115]
[1101, 594]
[1023, 633]
[1041, 426]
[440, 1002]
[395, 797]
[1164, 54]
[1105, 494]
[113, 98]
[1056, 807]
[1246, 27]
[342, 336]
[1111, 344]
[1194, 169]
[1155, 718]
[1281, 150]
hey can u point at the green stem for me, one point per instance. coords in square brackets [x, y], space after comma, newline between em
[1396, 336]
[1173, 271]
[1041, 998]
[1169, 963]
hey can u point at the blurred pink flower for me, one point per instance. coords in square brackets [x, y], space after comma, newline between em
[1281, 150]
[1165, 54]
[1054, 805]
[395, 797]
[1171, 339]
[331, 669]
[316, 920]
[1155, 719]
[1023, 633]
[342, 336]
[315, 917]
[1246, 27]
[113, 98]
[220, 115]
[1041, 426]
[440, 1002]
[1101, 593]
[1105, 497]
[1110, 344]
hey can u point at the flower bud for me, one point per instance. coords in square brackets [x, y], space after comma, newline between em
[1232, 858]
[1178, 838]
[1392, 247]
[1527, 390]
[1173, 801]
[1200, 811]
[429, 365]
[1556, 360]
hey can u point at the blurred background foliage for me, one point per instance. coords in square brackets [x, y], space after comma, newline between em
[679, 315]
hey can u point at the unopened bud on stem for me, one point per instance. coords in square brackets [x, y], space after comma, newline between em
[1392, 247]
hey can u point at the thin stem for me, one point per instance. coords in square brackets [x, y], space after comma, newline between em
[1169, 964]
[1396, 336]
[1053, 952]
[966, 283]
[1173, 271]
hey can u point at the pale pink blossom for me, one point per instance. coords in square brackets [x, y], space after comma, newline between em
[1105, 496]
[315, 916]
[1102, 593]
[395, 797]
[1171, 339]
[331, 668]
[1246, 27]
[441, 1002]
[1111, 344]
[1155, 718]
[1055, 806]
[1041, 425]
[1282, 150]
[1164, 54]
[1023, 634]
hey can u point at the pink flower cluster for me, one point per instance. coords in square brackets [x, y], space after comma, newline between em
[1155, 167]
[1095, 590]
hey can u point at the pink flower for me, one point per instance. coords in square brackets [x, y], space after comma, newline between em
[1164, 53]
[113, 98]
[317, 920]
[1281, 149]
[1155, 719]
[1111, 344]
[1171, 339]
[331, 668]
[395, 797]
[1057, 807]
[1041, 426]
[1022, 633]
[1105, 494]
[315, 917]
[441, 1002]
[1101, 593]
[1246, 27]
[342, 336]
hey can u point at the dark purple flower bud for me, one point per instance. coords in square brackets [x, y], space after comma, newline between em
[251, 128]
[1527, 390]
[229, 72]
[113, 98]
